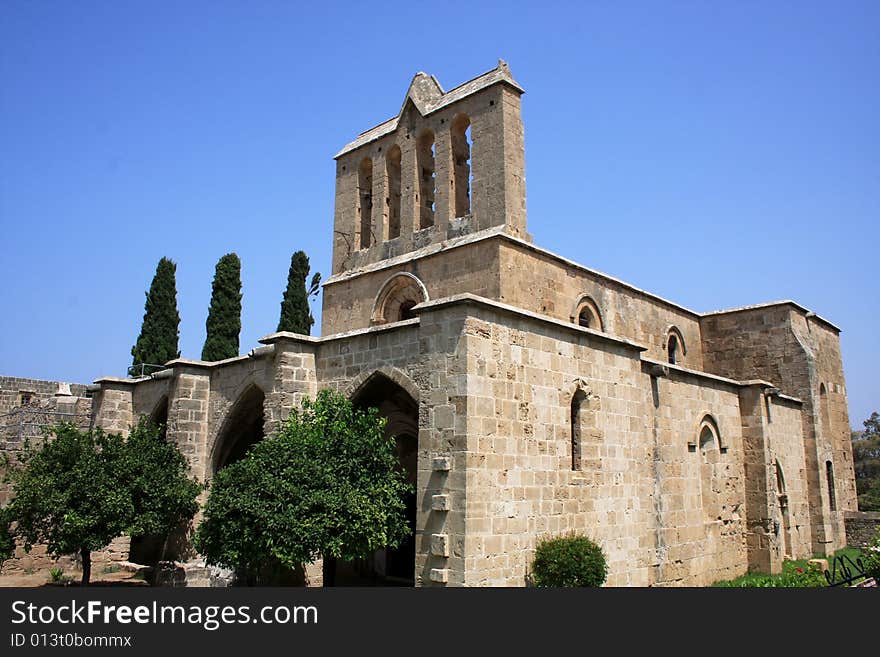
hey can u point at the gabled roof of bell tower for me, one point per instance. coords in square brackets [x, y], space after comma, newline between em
[427, 96]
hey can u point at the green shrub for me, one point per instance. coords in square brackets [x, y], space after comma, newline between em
[569, 561]
[56, 574]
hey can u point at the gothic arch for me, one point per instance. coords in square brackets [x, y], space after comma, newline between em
[710, 450]
[393, 374]
[241, 428]
[585, 435]
[396, 397]
[587, 308]
[159, 414]
[708, 422]
[397, 296]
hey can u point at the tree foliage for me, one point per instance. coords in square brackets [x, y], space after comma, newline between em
[157, 342]
[296, 316]
[224, 316]
[78, 490]
[328, 484]
[866, 461]
[569, 561]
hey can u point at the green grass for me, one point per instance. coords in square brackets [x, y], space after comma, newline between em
[794, 574]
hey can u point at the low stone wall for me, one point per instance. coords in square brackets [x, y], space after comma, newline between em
[861, 527]
[38, 560]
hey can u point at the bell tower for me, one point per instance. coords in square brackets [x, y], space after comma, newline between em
[451, 163]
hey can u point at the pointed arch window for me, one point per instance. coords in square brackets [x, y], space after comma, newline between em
[587, 314]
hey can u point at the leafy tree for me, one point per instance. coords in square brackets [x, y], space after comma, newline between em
[7, 541]
[78, 490]
[296, 316]
[328, 484]
[866, 461]
[224, 316]
[157, 342]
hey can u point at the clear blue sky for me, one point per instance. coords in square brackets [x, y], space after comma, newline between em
[715, 153]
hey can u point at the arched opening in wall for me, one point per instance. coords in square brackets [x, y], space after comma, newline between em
[427, 178]
[365, 200]
[586, 437]
[159, 416]
[824, 411]
[397, 298]
[406, 310]
[782, 498]
[242, 428]
[461, 164]
[388, 566]
[675, 347]
[829, 477]
[709, 441]
[149, 549]
[392, 172]
[586, 313]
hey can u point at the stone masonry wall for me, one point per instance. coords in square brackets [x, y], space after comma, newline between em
[638, 492]
[538, 282]
[777, 508]
[785, 431]
[471, 268]
[699, 490]
[11, 388]
[831, 418]
[780, 344]
[861, 527]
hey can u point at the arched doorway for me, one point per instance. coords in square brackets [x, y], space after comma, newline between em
[388, 566]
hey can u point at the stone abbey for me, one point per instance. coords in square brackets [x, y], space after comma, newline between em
[530, 395]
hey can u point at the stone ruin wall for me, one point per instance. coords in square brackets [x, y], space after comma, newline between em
[46, 408]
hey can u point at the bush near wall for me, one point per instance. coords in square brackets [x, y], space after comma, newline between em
[569, 561]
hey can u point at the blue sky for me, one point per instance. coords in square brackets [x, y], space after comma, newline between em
[715, 153]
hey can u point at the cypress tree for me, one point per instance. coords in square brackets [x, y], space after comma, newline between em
[224, 315]
[296, 316]
[157, 342]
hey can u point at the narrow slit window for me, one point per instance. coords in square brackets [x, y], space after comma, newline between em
[365, 195]
[829, 475]
[392, 164]
[427, 178]
[576, 429]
